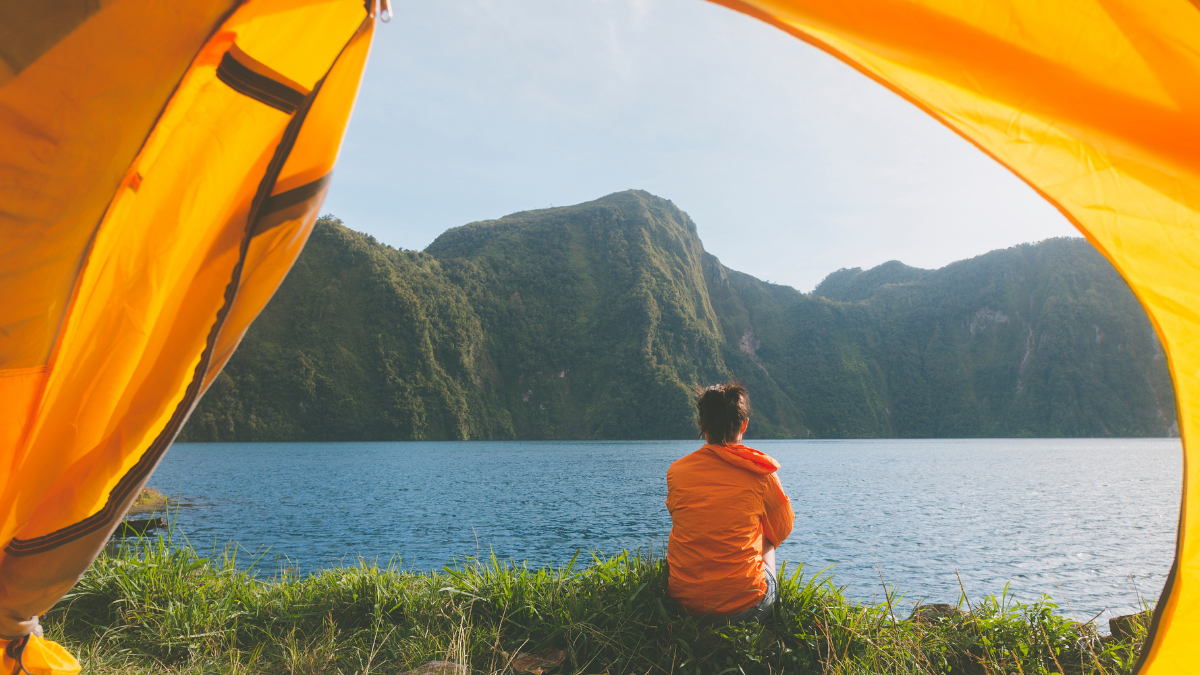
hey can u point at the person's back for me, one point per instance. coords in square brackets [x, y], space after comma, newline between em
[728, 513]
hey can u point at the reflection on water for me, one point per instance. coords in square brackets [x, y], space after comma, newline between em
[1089, 522]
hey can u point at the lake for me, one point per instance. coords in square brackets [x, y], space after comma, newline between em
[1089, 522]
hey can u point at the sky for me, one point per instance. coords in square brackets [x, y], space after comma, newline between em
[791, 164]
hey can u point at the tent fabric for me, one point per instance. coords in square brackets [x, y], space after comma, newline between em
[37, 656]
[1096, 105]
[162, 165]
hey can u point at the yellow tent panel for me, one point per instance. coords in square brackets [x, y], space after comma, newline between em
[161, 167]
[1095, 104]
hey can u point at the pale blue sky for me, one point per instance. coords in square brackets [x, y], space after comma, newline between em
[791, 164]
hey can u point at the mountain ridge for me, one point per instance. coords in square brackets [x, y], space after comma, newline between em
[596, 320]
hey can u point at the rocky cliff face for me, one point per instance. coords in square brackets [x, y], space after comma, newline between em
[596, 320]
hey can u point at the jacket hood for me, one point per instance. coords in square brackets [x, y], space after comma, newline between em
[745, 458]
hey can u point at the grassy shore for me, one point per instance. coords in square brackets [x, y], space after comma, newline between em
[151, 608]
[150, 500]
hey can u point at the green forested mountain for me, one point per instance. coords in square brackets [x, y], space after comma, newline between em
[594, 321]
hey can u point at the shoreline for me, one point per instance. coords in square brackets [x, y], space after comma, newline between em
[1093, 524]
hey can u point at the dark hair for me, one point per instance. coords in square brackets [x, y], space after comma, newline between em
[721, 410]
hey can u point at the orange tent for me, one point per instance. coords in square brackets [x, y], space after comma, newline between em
[160, 168]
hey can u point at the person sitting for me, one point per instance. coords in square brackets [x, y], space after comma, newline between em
[728, 515]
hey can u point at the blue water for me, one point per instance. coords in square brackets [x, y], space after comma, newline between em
[1089, 522]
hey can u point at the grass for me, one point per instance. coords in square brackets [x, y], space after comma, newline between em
[150, 500]
[150, 607]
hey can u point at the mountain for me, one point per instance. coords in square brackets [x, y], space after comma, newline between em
[597, 320]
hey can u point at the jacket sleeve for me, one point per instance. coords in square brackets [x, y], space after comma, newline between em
[778, 516]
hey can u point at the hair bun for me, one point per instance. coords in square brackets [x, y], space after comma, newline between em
[722, 409]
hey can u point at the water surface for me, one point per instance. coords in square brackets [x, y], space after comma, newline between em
[1089, 522]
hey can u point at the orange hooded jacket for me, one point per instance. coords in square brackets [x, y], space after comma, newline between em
[724, 501]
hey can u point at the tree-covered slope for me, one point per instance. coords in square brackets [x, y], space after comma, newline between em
[1039, 339]
[596, 320]
[360, 342]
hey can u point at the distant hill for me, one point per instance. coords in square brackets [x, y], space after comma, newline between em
[595, 321]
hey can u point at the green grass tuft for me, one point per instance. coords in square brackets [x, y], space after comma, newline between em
[150, 500]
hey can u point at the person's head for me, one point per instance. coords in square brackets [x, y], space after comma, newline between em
[723, 411]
